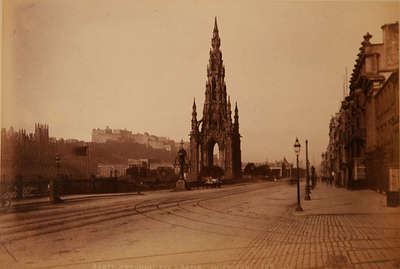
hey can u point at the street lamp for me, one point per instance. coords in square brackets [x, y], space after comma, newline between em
[297, 151]
[180, 161]
[54, 194]
[308, 187]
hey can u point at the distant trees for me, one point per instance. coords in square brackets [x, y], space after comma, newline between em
[257, 170]
[249, 169]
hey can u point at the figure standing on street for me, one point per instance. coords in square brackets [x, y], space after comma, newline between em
[313, 177]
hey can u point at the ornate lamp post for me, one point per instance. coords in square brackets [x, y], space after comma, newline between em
[180, 162]
[297, 151]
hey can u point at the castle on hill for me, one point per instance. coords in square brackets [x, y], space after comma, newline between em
[124, 135]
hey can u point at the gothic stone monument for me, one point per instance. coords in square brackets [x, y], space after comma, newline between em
[216, 124]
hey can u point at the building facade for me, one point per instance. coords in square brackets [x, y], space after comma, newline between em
[31, 156]
[216, 125]
[111, 170]
[280, 169]
[26, 154]
[364, 137]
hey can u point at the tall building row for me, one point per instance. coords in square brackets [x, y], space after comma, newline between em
[363, 149]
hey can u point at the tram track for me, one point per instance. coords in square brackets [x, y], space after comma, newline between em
[193, 219]
[181, 227]
[53, 222]
[178, 204]
[148, 209]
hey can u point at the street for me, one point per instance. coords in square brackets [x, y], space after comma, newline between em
[241, 226]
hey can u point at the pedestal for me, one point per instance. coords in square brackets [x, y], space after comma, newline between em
[392, 198]
[53, 192]
[180, 184]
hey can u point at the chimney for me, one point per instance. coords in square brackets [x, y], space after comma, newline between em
[391, 45]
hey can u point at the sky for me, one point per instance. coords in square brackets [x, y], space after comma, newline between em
[78, 65]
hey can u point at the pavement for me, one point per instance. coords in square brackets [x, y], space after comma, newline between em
[328, 199]
[338, 228]
[243, 226]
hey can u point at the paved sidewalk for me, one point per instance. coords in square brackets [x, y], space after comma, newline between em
[328, 199]
[338, 228]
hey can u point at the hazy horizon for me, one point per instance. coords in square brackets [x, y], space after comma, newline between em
[80, 65]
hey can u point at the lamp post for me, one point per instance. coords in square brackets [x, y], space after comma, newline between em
[180, 162]
[308, 187]
[297, 151]
[54, 194]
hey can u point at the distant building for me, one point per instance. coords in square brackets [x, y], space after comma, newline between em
[26, 154]
[71, 141]
[30, 157]
[111, 170]
[107, 134]
[152, 141]
[149, 163]
[139, 162]
[280, 168]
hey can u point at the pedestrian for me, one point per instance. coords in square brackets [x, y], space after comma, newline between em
[313, 179]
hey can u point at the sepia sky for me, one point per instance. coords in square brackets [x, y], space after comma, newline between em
[83, 64]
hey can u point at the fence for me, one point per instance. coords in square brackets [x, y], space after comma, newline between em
[40, 188]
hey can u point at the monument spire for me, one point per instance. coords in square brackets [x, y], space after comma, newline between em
[194, 117]
[216, 125]
[215, 41]
[236, 122]
[229, 112]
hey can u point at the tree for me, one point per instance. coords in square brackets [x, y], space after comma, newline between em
[257, 170]
[249, 169]
[262, 170]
